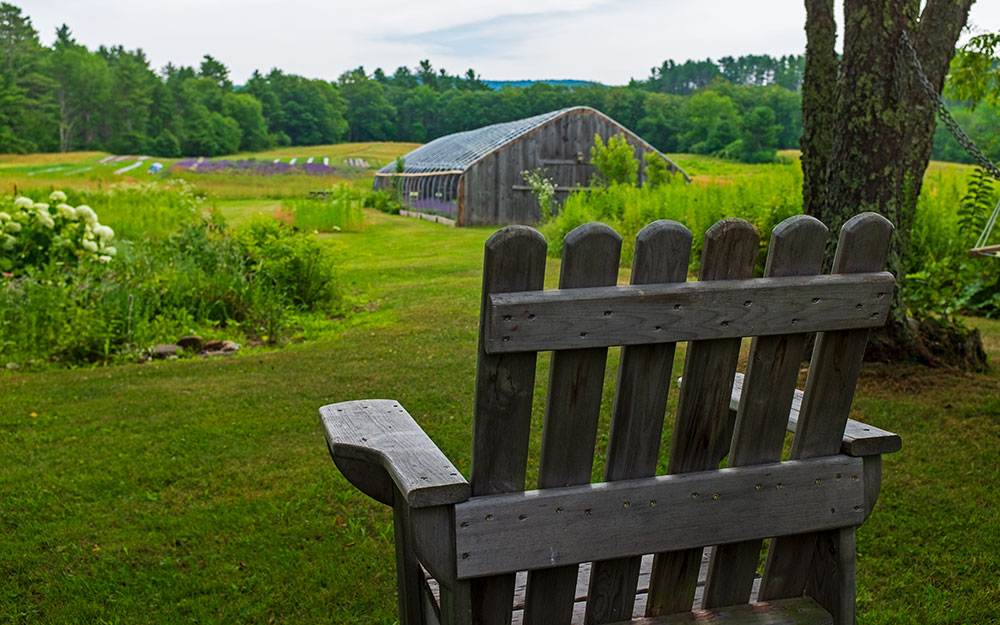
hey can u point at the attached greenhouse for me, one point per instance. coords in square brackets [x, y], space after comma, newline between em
[475, 177]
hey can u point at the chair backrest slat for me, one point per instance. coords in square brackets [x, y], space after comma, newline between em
[826, 403]
[591, 255]
[702, 429]
[796, 249]
[662, 255]
[514, 260]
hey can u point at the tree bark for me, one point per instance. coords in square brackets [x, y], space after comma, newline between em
[819, 103]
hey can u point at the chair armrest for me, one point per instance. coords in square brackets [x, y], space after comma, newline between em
[380, 436]
[860, 439]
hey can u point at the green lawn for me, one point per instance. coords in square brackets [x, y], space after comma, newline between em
[200, 491]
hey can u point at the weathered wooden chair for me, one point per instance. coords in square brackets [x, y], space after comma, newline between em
[477, 538]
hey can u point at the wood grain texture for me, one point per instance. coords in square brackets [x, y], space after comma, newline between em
[702, 429]
[559, 526]
[800, 611]
[514, 260]
[409, 575]
[833, 373]
[662, 255]
[663, 313]
[859, 439]
[796, 249]
[583, 582]
[591, 254]
[381, 433]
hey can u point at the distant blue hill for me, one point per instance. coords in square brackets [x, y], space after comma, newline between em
[500, 84]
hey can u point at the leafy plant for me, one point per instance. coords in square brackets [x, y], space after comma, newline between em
[543, 189]
[615, 161]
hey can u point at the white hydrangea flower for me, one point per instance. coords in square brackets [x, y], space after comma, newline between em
[66, 211]
[13, 227]
[7, 242]
[104, 233]
[23, 202]
[41, 207]
[4, 216]
[87, 214]
[57, 196]
[46, 220]
[88, 245]
[104, 259]
[110, 250]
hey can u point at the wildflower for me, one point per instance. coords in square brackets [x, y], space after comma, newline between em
[88, 245]
[23, 202]
[87, 214]
[4, 217]
[57, 196]
[103, 232]
[104, 258]
[110, 250]
[7, 242]
[12, 227]
[66, 211]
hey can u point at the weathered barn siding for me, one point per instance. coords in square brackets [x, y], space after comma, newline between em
[476, 176]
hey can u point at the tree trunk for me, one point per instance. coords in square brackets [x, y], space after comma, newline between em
[883, 128]
[819, 103]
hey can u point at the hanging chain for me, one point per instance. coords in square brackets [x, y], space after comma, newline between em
[905, 45]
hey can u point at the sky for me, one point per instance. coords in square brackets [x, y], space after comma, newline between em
[608, 41]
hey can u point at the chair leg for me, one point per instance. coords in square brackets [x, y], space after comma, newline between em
[409, 575]
[830, 581]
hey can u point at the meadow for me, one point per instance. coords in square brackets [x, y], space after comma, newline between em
[200, 490]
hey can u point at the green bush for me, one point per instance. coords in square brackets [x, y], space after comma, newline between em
[615, 161]
[248, 284]
[383, 201]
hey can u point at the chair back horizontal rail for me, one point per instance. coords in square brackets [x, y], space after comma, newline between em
[558, 526]
[687, 311]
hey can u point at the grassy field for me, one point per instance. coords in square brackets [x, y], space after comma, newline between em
[201, 490]
[82, 170]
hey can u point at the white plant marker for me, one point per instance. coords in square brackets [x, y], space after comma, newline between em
[326, 161]
[292, 162]
[129, 167]
[277, 160]
[309, 160]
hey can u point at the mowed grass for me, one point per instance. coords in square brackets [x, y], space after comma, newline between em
[200, 491]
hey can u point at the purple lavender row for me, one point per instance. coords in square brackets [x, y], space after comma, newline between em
[255, 167]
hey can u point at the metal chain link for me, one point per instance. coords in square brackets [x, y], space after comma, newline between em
[942, 111]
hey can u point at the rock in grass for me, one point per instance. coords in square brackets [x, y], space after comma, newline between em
[165, 351]
[191, 341]
[212, 346]
[230, 346]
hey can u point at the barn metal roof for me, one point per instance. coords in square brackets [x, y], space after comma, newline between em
[460, 150]
[456, 152]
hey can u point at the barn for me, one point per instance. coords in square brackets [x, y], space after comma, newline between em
[475, 176]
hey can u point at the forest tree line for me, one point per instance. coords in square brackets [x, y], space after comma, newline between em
[66, 97]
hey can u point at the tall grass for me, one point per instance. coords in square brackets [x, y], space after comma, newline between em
[339, 210]
[764, 199]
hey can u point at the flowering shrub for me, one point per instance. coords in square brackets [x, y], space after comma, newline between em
[33, 234]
